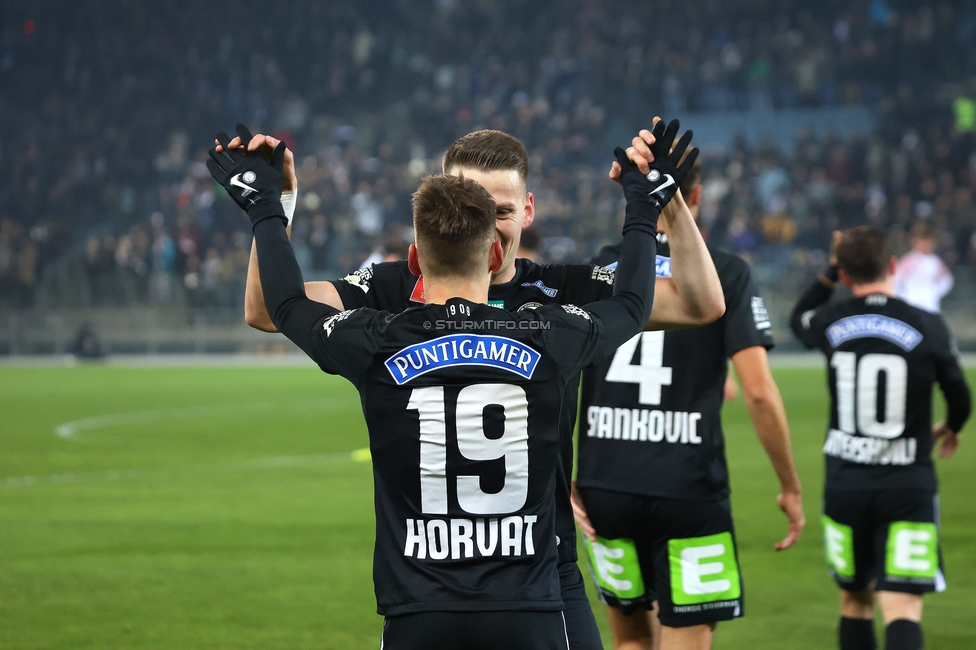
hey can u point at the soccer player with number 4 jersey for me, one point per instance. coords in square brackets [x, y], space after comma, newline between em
[880, 506]
[653, 487]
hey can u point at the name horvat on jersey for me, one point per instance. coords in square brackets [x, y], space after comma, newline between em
[643, 425]
[462, 350]
[440, 539]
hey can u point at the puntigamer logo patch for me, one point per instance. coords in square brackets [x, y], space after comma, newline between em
[881, 327]
[462, 350]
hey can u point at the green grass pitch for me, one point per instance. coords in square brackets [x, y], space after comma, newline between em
[220, 508]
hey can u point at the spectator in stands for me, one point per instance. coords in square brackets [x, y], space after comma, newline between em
[922, 279]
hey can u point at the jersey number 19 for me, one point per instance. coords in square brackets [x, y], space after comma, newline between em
[474, 444]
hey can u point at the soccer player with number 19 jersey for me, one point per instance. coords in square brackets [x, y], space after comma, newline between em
[880, 507]
[499, 162]
[464, 427]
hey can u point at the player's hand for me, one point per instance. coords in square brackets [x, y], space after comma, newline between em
[731, 390]
[266, 145]
[639, 152]
[253, 182]
[791, 503]
[666, 169]
[579, 513]
[835, 240]
[949, 438]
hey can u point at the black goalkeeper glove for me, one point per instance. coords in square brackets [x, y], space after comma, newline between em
[647, 194]
[253, 182]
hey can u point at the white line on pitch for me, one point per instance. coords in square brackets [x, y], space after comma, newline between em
[69, 430]
[274, 462]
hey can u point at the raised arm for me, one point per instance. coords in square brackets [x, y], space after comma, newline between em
[692, 296]
[255, 312]
[255, 184]
[647, 194]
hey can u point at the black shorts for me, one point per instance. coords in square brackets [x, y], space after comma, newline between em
[580, 623]
[888, 535]
[475, 631]
[680, 553]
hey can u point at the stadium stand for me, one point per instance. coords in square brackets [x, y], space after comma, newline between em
[106, 110]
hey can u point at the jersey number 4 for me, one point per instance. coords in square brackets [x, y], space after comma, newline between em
[649, 374]
[859, 382]
[474, 444]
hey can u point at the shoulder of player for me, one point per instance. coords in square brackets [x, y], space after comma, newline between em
[928, 322]
[567, 282]
[567, 314]
[361, 319]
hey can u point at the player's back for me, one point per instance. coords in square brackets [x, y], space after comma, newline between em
[462, 403]
[651, 421]
[884, 356]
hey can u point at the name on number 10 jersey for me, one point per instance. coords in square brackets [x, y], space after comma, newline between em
[884, 356]
[462, 403]
[650, 419]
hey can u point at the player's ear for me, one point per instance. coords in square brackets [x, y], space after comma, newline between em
[413, 262]
[694, 197]
[892, 265]
[846, 279]
[497, 256]
[529, 210]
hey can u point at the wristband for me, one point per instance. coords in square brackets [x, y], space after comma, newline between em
[288, 202]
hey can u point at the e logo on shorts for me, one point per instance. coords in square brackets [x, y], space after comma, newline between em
[838, 547]
[614, 562]
[913, 550]
[703, 569]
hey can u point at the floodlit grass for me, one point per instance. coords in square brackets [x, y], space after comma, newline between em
[220, 508]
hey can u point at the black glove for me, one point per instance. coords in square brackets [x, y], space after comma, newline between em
[253, 182]
[647, 194]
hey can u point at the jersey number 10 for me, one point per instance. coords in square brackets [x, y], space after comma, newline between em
[858, 383]
[474, 444]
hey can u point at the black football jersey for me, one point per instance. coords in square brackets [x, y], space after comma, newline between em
[650, 419]
[391, 286]
[884, 356]
[463, 402]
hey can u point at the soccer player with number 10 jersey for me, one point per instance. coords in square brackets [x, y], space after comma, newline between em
[881, 504]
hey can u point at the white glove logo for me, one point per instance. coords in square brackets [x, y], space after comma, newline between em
[248, 177]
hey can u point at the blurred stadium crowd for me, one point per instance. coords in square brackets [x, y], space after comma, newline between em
[106, 110]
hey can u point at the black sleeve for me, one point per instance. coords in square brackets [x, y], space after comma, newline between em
[387, 286]
[800, 320]
[599, 328]
[949, 372]
[307, 323]
[578, 284]
[747, 322]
